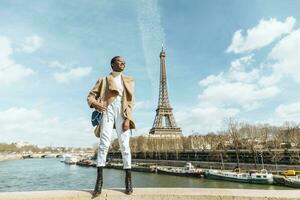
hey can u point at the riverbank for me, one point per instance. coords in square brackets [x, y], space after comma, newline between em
[157, 194]
[218, 165]
[10, 156]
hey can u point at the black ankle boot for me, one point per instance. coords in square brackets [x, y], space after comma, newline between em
[128, 182]
[99, 182]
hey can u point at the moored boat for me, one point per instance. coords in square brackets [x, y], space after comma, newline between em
[27, 156]
[86, 163]
[290, 173]
[187, 170]
[262, 177]
[70, 159]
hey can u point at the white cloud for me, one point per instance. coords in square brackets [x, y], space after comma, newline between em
[152, 36]
[227, 95]
[261, 35]
[58, 65]
[247, 96]
[204, 118]
[237, 71]
[34, 126]
[247, 84]
[212, 79]
[288, 112]
[237, 87]
[72, 75]
[139, 105]
[286, 56]
[31, 44]
[10, 71]
[285, 112]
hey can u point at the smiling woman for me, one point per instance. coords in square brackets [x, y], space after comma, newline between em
[113, 96]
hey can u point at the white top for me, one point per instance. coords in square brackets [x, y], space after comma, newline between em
[119, 84]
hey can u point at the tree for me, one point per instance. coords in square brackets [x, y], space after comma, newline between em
[252, 137]
[233, 131]
[277, 139]
[221, 139]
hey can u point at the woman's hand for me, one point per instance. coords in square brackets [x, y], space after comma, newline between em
[101, 107]
[126, 124]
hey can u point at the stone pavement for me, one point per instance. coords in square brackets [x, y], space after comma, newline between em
[157, 194]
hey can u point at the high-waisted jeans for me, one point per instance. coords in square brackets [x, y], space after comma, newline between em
[114, 115]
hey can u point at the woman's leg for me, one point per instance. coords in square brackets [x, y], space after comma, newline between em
[105, 136]
[123, 138]
[104, 143]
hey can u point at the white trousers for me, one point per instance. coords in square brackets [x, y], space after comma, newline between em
[114, 115]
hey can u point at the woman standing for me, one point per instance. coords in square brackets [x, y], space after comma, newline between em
[113, 95]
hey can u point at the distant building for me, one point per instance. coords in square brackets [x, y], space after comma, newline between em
[21, 144]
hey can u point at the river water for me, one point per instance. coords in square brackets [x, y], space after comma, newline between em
[51, 174]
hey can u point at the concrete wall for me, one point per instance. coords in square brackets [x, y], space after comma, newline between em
[158, 194]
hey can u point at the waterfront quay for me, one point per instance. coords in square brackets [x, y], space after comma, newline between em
[157, 194]
[269, 159]
[287, 178]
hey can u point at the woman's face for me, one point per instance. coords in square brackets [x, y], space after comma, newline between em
[119, 64]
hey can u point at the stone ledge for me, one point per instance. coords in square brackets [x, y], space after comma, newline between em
[157, 193]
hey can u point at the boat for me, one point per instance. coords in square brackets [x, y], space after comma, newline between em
[290, 173]
[187, 170]
[86, 163]
[70, 159]
[289, 181]
[27, 156]
[262, 177]
[114, 165]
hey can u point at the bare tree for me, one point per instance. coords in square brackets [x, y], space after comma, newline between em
[251, 133]
[115, 145]
[221, 139]
[274, 146]
[292, 138]
[233, 131]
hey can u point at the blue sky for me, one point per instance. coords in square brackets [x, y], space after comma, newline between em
[236, 59]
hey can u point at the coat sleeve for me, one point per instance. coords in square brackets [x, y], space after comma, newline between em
[94, 93]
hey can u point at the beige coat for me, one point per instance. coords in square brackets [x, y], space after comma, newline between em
[107, 87]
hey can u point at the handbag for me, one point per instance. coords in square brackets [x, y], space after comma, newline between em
[97, 116]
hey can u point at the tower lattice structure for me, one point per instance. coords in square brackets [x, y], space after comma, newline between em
[164, 123]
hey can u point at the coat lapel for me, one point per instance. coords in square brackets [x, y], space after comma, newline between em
[128, 85]
[111, 84]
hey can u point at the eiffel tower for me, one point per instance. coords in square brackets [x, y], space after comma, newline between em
[164, 123]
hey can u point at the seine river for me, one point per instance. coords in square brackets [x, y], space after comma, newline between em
[51, 174]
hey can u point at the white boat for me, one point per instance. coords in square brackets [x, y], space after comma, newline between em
[187, 170]
[262, 177]
[70, 159]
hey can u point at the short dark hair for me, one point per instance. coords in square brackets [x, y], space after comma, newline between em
[114, 59]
